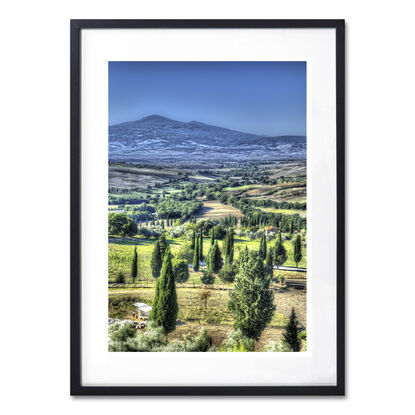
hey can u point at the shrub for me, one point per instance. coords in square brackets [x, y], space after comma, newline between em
[185, 253]
[121, 332]
[125, 337]
[181, 271]
[120, 278]
[237, 342]
[175, 346]
[281, 278]
[228, 273]
[207, 277]
[151, 340]
[272, 346]
[122, 337]
[200, 343]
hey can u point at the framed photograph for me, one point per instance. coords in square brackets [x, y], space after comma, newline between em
[207, 207]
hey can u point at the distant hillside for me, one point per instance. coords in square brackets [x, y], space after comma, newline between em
[159, 138]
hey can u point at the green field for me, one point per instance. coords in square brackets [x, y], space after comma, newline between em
[120, 254]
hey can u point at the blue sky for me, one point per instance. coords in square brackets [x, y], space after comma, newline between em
[266, 98]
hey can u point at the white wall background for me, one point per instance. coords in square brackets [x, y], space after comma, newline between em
[34, 231]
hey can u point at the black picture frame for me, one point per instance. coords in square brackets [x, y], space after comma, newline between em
[76, 387]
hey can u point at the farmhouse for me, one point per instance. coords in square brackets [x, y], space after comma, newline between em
[270, 229]
[143, 308]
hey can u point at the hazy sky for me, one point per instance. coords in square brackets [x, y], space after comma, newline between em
[256, 97]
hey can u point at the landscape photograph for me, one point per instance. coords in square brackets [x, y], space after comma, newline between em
[207, 207]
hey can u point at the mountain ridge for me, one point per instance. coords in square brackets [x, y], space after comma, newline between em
[159, 137]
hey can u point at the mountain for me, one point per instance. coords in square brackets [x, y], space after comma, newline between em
[160, 138]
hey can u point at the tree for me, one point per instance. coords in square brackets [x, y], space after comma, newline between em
[207, 277]
[292, 226]
[163, 244]
[134, 265]
[181, 271]
[185, 253]
[251, 302]
[280, 253]
[120, 278]
[121, 224]
[263, 247]
[201, 246]
[196, 258]
[292, 331]
[220, 232]
[215, 259]
[244, 257]
[165, 308]
[228, 273]
[230, 258]
[228, 247]
[212, 237]
[155, 262]
[193, 243]
[269, 264]
[297, 250]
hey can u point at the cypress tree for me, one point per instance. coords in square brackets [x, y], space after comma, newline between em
[280, 253]
[244, 256]
[263, 247]
[212, 238]
[251, 302]
[215, 259]
[297, 250]
[231, 249]
[196, 258]
[156, 262]
[230, 258]
[193, 242]
[201, 246]
[134, 265]
[225, 245]
[269, 264]
[165, 308]
[163, 245]
[291, 332]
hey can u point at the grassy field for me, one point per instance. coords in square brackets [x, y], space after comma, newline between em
[120, 254]
[213, 209]
[214, 315]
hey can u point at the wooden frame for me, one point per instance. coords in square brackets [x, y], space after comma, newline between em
[76, 386]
